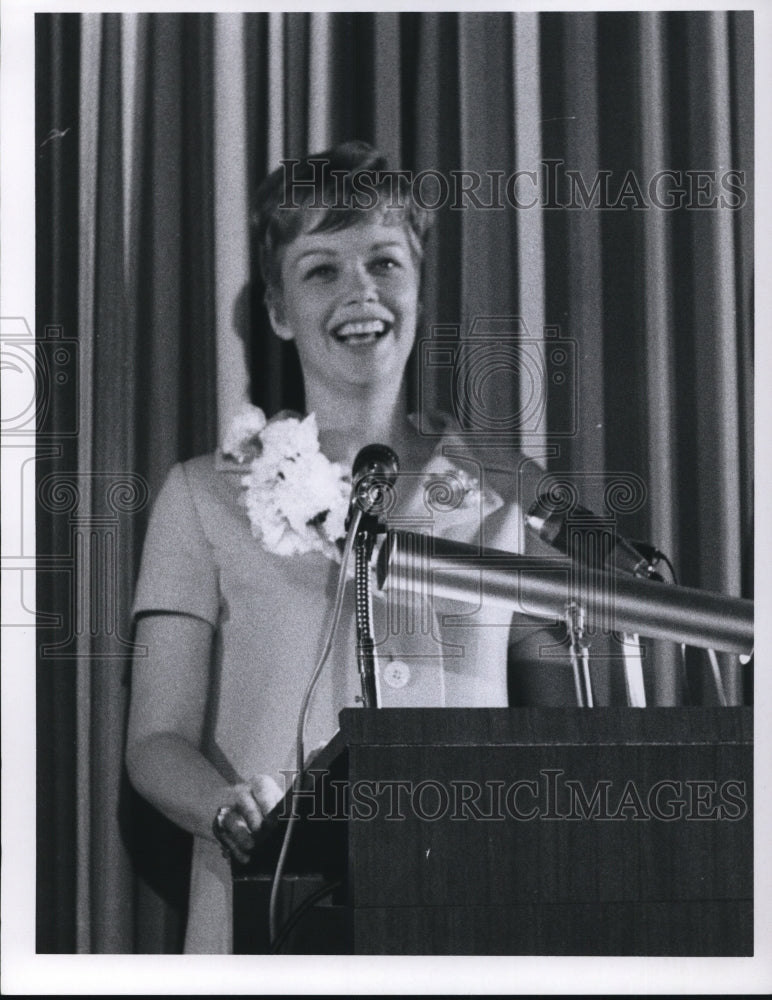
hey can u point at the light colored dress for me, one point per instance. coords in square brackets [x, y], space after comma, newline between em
[269, 614]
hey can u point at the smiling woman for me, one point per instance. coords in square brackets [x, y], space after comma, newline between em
[233, 615]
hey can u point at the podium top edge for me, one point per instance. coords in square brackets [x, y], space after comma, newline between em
[540, 726]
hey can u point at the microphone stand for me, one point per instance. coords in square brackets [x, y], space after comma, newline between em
[374, 472]
[578, 647]
[366, 656]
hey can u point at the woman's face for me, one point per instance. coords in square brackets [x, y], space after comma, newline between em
[350, 302]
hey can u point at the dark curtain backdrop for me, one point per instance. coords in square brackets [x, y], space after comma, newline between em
[138, 270]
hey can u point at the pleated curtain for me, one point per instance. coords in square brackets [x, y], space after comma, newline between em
[145, 259]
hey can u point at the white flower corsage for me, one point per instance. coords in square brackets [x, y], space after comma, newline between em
[296, 498]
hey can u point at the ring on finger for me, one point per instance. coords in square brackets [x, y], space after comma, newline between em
[219, 828]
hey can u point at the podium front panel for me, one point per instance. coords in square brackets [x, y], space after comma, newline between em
[553, 831]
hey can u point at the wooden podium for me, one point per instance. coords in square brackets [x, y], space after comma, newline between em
[611, 831]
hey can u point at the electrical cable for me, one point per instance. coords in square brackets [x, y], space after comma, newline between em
[664, 559]
[300, 736]
[291, 922]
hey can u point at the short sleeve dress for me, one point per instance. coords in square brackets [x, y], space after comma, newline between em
[269, 613]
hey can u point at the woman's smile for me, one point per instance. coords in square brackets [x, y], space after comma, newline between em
[355, 333]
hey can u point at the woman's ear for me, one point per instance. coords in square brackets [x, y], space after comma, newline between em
[276, 315]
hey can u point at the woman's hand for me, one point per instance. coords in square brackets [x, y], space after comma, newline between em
[244, 809]
[242, 815]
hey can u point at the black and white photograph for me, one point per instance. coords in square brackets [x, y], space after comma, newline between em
[383, 422]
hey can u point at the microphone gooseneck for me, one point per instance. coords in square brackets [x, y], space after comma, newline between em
[373, 474]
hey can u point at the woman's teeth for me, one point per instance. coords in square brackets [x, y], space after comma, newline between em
[361, 331]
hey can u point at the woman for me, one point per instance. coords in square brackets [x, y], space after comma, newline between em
[232, 626]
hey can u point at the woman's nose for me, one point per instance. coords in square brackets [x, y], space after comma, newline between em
[362, 286]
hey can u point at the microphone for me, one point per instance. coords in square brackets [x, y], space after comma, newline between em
[373, 474]
[552, 527]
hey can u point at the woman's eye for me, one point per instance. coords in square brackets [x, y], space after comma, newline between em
[323, 271]
[385, 264]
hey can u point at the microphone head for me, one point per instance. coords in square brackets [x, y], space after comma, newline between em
[373, 475]
[375, 459]
[550, 524]
[546, 523]
[592, 539]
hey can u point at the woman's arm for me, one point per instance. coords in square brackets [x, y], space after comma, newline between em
[169, 694]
